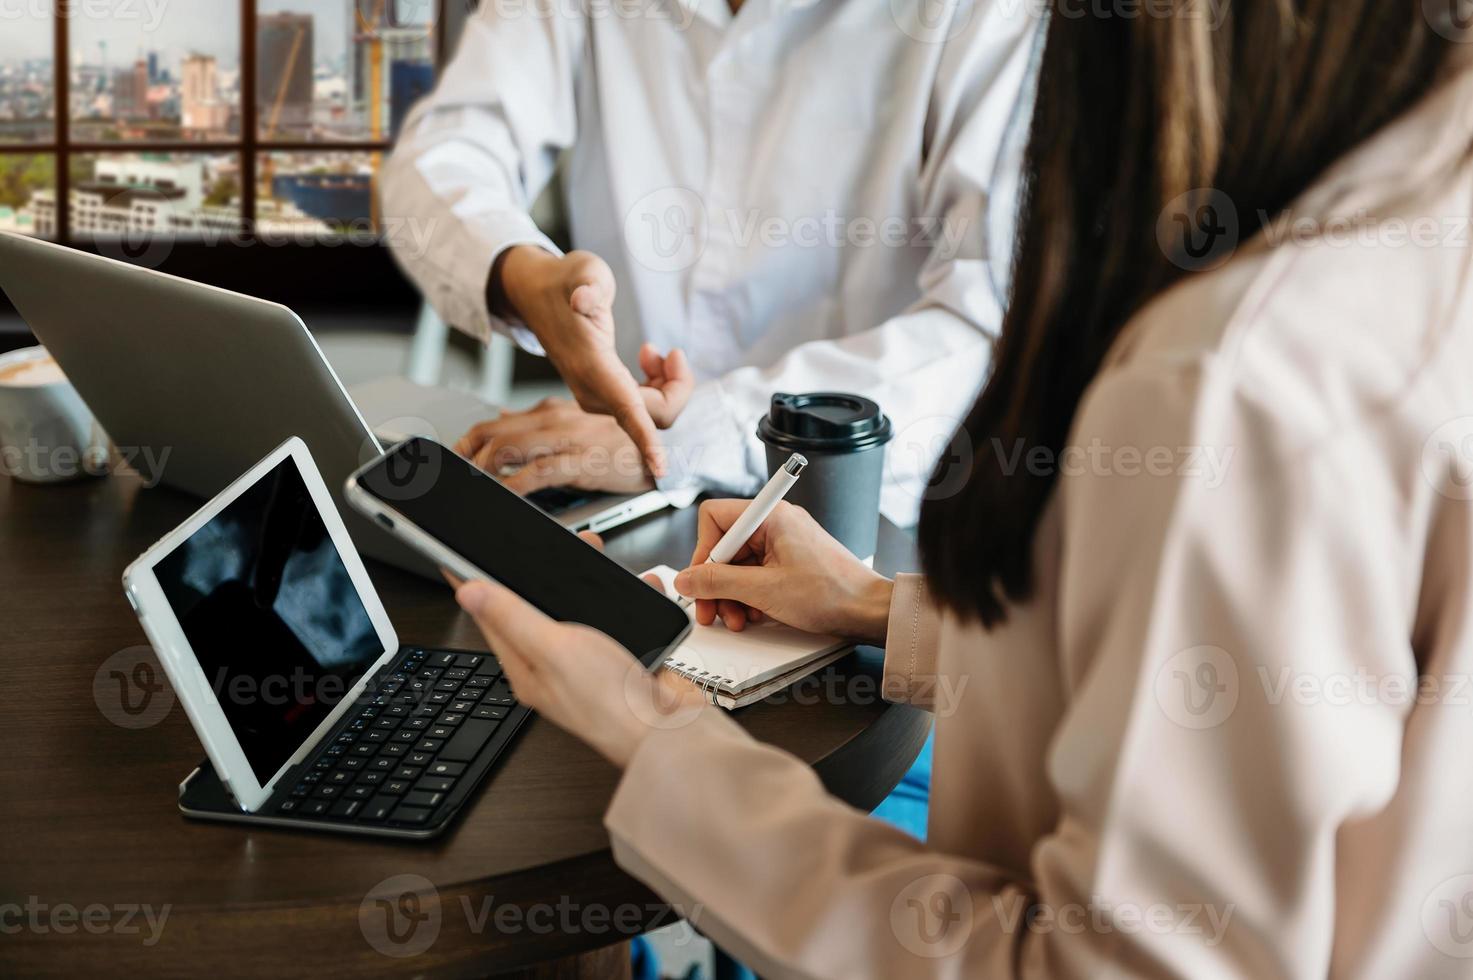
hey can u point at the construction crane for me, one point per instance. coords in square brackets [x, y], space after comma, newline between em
[268, 165]
[374, 36]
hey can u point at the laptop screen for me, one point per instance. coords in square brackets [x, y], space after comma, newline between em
[272, 615]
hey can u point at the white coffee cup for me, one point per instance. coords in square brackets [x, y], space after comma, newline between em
[47, 435]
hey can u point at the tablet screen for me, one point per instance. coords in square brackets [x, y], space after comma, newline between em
[272, 616]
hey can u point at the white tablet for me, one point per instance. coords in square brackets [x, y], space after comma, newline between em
[264, 618]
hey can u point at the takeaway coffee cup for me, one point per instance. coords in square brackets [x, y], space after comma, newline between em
[843, 437]
[47, 433]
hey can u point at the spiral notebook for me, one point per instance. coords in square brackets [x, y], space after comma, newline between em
[736, 669]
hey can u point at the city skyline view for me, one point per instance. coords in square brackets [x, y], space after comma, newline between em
[170, 73]
[173, 29]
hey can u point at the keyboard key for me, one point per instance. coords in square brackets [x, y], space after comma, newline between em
[405, 735]
[360, 792]
[479, 680]
[410, 773]
[411, 814]
[327, 791]
[387, 724]
[451, 769]
[462, 707]
[457, 674]
[435, 784]
[452, 718]
[384, 763]
[500, 693]
[339, 776]
[352, 763]
[374, 737]
[439, 697]
[365, 749]
[417, 724]
[441, 731]
[378, 809]
[301, 789]
[397, 711]
[288, 806]
[423, 798]
[440, 660]
[428, 745]
[489, 667]
[370, 778]
[494, 712]
[418, 759]
[396, 748]
[471, 660]
[313, 808]
[395, 787]
[448, 686]
[347, 808]
[468, 740]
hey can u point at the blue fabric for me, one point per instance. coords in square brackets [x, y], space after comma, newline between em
[644, 964]
[909, 803]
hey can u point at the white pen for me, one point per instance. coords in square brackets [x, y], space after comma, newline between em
[757, 511]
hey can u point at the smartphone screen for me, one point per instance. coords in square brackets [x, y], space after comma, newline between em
[523, 548]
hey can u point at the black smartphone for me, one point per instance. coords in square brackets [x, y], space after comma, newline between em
[467, 522]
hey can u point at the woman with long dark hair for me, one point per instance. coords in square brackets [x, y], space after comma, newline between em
[1197, 622]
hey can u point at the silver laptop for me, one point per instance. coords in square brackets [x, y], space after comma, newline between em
[217, 380]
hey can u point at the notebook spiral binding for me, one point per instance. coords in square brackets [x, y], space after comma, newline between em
[707, 681]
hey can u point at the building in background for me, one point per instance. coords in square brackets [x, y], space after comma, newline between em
[25, 100]
[284, 74]
[397, 44]
[203, 112]
[409, 81]
[343, 95]
[130, 92]
[147, 194]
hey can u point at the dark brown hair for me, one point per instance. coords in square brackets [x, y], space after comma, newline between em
[1132, 113]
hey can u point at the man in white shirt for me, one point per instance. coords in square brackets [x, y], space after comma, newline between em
[792, 196]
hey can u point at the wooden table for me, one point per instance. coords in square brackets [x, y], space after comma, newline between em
[92, 748]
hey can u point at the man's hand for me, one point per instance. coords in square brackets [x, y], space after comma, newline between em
[568, 303]
[557, 444]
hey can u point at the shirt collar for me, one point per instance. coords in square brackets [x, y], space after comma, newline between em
[713, 12]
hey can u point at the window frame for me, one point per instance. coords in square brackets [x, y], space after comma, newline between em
[248, 147]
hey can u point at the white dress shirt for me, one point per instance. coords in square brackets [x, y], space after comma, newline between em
[798, 195]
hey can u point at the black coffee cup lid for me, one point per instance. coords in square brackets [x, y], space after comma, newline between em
[824, 421]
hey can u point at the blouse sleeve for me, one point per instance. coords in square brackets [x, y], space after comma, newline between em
[911, 643]
[1216, 560]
